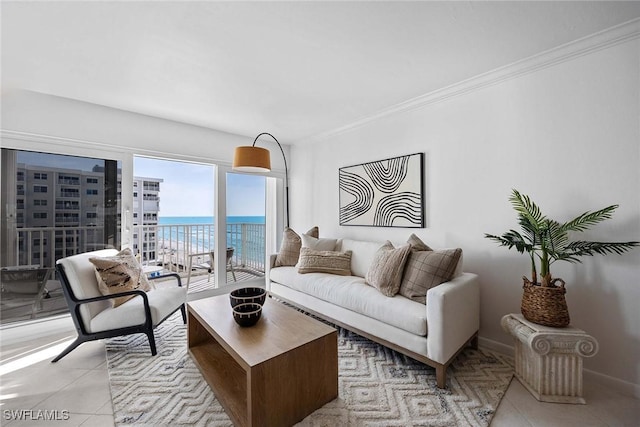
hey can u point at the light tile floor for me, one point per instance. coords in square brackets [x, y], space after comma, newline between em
[79, 384]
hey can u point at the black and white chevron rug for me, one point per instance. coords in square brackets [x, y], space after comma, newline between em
[377, 386]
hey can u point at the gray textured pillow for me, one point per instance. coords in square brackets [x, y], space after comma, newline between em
[312, 261]
[385, 272]
[290, 247]
[426, 269]
[417, 244]
[120, 273]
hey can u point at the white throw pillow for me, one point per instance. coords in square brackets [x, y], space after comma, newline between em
[317, 244]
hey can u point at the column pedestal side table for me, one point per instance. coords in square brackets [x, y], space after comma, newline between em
[548, 361]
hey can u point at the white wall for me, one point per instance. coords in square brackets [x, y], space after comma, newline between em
[567, 135]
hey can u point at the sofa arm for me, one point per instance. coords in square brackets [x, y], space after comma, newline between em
[272, 260]
[453, 315]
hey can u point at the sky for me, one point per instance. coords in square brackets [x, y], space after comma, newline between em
[187, 188]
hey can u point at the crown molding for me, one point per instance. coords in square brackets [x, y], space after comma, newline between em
[584, 46]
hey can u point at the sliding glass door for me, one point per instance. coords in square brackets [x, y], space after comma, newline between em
[53, 206]
[245, 208]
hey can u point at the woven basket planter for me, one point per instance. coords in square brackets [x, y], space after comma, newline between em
[545, 305]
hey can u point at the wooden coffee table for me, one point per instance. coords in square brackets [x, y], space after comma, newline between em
[274, 373]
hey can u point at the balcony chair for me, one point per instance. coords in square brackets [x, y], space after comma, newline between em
[93, 314]
[23, 288]
[210, 265]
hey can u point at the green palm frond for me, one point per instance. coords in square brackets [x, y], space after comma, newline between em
[583, 248]
[527, 209]
[547, 240]
[587, 219]
[512, 239]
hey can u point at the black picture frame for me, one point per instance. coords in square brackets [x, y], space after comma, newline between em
[383, 193]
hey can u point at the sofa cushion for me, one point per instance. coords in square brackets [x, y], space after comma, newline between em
[332, 262]
[120, 273]
[290, 247]
[362, 256]
[352, 293]
[426, 269]
[385, 272]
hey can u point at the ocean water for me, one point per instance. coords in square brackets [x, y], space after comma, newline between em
[173, 220]
[200, 235]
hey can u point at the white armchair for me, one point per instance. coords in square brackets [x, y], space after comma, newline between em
[95, 317]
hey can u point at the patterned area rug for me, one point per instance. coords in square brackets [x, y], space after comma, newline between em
[377, 386]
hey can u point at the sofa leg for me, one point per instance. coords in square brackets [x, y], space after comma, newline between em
[441, 376]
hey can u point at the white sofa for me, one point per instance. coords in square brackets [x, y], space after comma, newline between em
[432, 334]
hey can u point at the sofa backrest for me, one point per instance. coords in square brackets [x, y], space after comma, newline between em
[364, 252]
[362, 256]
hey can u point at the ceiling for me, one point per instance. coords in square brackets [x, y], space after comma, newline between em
[295, 69]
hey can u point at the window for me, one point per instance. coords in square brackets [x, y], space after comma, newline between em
[20, 176]
[68, 179]
[53, 222]
[92, 192]
[20, 204]
[67, 205]
[70, 192]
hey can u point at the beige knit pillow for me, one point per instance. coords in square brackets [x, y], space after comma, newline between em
[120, 273]
[290, 247]
[385, 272]
[313, 261]
[426, 269]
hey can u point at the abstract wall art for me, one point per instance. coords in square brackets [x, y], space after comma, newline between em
[384, 193]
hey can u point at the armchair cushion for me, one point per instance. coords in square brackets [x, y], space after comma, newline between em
[162, 302]
[119, 273]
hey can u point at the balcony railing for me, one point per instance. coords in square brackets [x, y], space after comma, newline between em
[174, 244]
[166, 245]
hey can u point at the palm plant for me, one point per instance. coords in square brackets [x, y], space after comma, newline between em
[547, 241]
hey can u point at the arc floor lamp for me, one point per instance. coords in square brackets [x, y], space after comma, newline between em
[257, 159]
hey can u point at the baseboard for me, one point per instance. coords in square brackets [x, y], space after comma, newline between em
[496, 346]
[621, 386]
[624, 387]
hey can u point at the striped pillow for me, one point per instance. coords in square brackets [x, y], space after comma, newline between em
[290, 247]
[385, 272]
[313, 261]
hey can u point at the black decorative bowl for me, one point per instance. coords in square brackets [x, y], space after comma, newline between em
[247, 314]
[246, 295]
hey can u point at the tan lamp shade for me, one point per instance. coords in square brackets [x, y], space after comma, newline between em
[251, 159]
